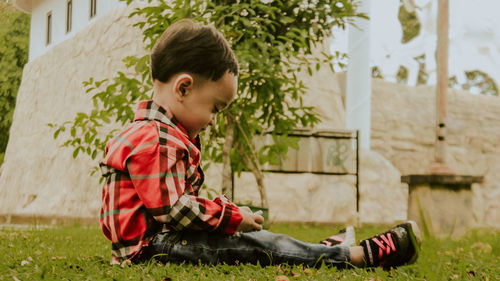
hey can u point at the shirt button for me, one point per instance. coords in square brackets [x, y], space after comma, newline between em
[184, 242]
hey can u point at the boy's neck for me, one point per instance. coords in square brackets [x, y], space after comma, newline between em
[160, 97]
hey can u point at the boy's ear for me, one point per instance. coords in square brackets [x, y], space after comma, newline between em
[183, 85]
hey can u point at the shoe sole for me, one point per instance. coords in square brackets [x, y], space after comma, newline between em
[415, 238]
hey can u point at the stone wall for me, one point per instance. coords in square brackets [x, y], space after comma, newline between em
[332, 198]
[326, 198]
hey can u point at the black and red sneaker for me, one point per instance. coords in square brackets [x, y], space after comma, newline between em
[345, 237]
[398, 246]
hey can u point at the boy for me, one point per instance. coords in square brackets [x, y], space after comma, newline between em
[150, 204]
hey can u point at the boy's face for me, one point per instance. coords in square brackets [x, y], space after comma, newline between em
[205, 101]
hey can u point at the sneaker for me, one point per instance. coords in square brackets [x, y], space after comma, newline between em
[345, 237]
[398, 246]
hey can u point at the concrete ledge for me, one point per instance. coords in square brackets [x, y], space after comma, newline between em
[453, 182]
[441, 204]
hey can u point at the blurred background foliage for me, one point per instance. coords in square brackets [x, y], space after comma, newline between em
[477, 81]
[14, 45]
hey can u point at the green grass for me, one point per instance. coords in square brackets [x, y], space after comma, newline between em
[82, 253]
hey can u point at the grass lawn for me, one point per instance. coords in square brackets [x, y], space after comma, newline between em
[82, 253]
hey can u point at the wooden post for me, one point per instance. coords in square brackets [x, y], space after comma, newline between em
[439, 166]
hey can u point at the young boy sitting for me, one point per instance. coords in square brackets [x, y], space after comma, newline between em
[150, 204]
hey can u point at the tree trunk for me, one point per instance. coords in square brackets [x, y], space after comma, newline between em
[252, 161]
[259, 177]
[227, 174]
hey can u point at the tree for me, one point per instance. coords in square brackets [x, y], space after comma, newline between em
[14, 36]
[273, 41]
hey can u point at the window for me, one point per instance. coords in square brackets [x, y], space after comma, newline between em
[93, 10]
[69, 15]
[48, 34]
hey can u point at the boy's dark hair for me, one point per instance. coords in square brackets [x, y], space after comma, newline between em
[187, 46]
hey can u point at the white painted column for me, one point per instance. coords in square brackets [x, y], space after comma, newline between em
[358, 85]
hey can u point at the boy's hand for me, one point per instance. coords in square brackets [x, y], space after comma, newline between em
[251, 221]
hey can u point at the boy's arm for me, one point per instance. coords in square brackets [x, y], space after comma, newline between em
[249, 220]
[159, 179]
[192, 212]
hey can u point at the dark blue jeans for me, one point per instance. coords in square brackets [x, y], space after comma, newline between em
[260, 246]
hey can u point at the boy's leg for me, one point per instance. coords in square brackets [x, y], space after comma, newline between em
[263, 247]
[398, 246]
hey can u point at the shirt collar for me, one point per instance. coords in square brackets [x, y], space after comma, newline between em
[149, 110]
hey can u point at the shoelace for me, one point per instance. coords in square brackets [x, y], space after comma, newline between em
[330, 240]
[389, 244]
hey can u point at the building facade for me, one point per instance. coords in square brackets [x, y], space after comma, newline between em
[53, 21]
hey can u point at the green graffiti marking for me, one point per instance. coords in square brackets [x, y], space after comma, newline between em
[337, 154]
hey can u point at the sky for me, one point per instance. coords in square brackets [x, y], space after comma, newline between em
[474, 35]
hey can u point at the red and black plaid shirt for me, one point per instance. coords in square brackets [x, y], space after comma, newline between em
[152, 169]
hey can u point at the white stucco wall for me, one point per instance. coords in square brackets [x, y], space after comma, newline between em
[81, 19]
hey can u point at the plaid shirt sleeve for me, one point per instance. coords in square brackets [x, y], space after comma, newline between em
[159, 174]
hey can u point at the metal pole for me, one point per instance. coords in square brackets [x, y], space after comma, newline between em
[357, 171]
[439, 166]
